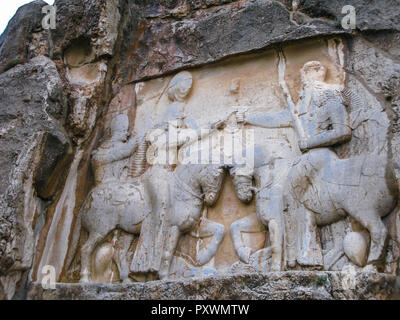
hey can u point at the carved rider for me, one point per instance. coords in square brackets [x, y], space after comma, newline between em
[107, 159]
[162, 155]
[320, 119]
[321, 110]
[166, 136]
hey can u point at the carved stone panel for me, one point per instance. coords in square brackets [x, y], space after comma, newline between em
[170, 200]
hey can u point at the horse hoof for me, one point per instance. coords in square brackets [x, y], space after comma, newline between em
[355, 247]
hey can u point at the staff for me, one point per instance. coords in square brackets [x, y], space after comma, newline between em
[291, 106]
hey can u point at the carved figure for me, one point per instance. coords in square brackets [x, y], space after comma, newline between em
[112, 203]
[270, 172]
[272, 161]
[156, 230]
[320, 183]
[147, 258]
[192, 187]
[166, 138]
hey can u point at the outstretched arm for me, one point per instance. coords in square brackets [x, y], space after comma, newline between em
[269, 120]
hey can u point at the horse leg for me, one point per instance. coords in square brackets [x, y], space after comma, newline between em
[86, 255]
[337, 251]
[249, 224]
[276, 238]
[291, 233]
[310, 253]
[121, 258]
[169, 250]
[371, 220]
[207, 229]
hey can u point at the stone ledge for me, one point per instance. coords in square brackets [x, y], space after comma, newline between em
[291, 285]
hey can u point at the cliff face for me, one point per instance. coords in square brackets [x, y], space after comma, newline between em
[59, 87]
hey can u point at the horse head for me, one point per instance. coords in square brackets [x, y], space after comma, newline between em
[211, 177]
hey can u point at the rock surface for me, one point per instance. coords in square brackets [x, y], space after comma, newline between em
[204, 34]
[32, 114]
[22, 31]
[275, 286]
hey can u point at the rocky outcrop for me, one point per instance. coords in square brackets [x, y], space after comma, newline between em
[275, 286]
[33, 144]
[48, 108]
[24, 38]
[371, 15]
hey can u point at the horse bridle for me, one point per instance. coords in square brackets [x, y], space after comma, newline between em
[187, 188]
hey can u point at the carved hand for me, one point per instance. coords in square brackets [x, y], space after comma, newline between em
[241, 117]
[241, 114]
[303, 145]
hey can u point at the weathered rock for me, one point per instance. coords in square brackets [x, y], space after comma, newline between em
[94, 20]
[32, 101]
[380, 75]
[32, 107]
[371, 15]
[274, 286]
[22, 31]
[163, 46]
[50, 173]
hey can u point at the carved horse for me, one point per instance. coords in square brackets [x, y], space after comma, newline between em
[109, 206]
[193, 187]
[125, 205]
[363, 187]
